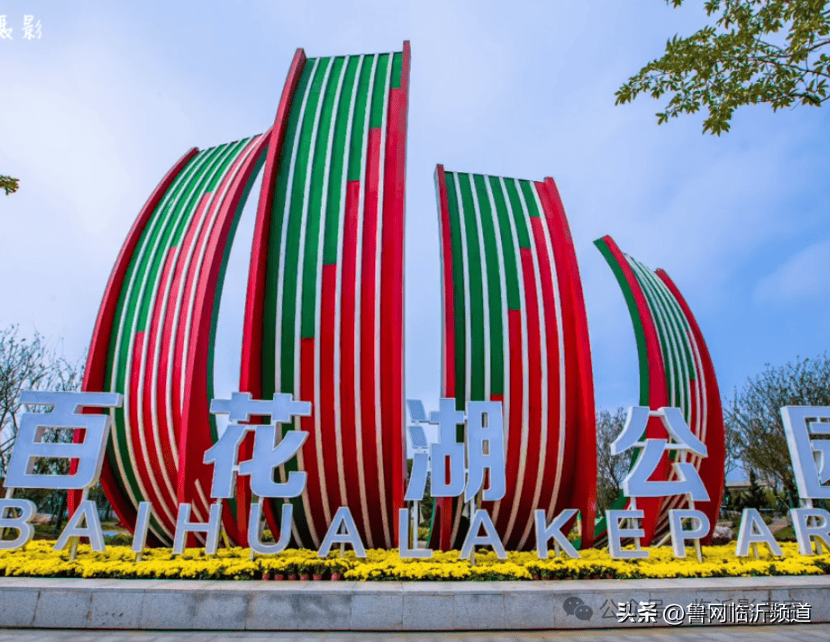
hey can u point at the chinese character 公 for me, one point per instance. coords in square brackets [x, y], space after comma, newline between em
[637, 483]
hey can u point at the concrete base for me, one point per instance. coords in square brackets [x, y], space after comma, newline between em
[398, 606]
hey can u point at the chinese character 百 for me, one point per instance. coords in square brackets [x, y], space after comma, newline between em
[31, 446]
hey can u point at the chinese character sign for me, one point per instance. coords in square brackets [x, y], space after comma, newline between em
[457, 468]
[807, 429]
[65, 414]
[268, 453]
[87, 453]
[638, 481]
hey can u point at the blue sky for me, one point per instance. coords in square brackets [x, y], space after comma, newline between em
[97, 110]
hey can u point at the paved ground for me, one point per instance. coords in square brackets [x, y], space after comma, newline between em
[795, 633]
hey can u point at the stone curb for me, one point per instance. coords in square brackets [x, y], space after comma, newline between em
[69, 603]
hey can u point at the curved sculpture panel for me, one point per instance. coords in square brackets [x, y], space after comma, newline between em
[153, 339]
[675, 370]
[324, 315]
[515, 331]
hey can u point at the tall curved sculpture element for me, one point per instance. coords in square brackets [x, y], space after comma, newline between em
[675, 370]
[515, 331]
[153, 339]
[324, 314]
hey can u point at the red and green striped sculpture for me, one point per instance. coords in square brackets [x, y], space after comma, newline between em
[324, 312]
[324, 322]
[324, 315]
[515, 331]
[153, 339]
[675, 370]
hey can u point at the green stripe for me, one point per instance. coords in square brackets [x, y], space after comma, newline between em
[511, 259]
[295, 220]
[665, 346]
[473, 271]
[637, 322]
[314, 214]
[530, 199]
[518, 214]
[681, 325]
[173, 234]
[397, 69]
[379, 91]
[684, 363]
[129, 483]
[220, 284]
[160, 222]
[359, 127]
[337, 189]
[459, 311]
[497, 331]
[666, 324]
[275, 249]
[671, 369]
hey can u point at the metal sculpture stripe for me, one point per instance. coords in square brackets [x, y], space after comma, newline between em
[515, 331]
[675, 370]
[324, 314]
[153, 340]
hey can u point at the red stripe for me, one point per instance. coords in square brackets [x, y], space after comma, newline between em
[167, 461]
[580, 438]
[552, 460]
[195, 430]
[712, 468]
[534, 349]
[514, 325]
[392, 304]
[177, 274]
[657, 388]
[446, 506]
[328, 426]
[313, 490]
[96, 362]
[140, 464]
[250, 378]
[185, 274]
[449, 308]
[368, 356]
[347, 354]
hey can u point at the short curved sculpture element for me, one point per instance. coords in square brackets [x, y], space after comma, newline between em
[675, 370]
[153, 339]
[515, 331]
[324, 313]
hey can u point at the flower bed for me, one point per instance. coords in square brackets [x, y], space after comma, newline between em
[38, 559]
